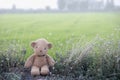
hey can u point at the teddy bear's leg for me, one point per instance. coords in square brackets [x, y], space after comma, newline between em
[44, 70]
[35, 71]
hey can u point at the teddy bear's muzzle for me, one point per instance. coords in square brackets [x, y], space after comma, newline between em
[40, 50]
[41, 53]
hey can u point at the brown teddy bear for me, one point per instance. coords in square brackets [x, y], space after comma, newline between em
[40, 61]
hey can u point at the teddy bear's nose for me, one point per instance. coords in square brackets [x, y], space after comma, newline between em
[40, 50]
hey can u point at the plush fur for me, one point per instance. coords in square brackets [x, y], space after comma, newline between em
[40, 61]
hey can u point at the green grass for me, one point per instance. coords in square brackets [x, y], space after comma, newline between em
[86, 56]
[57, 28]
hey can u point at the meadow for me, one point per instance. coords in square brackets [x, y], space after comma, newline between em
[67, 32]
[57, 28]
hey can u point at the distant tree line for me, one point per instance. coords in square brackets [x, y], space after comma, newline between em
[70, 6]
[76, 5]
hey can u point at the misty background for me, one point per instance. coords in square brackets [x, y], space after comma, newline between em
[35, 6]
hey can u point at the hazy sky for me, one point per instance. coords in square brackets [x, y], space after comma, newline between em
[27, 4]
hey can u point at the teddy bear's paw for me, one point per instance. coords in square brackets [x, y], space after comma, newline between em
[27, 65]
[35, 72]
[52, 64]
[44, 72]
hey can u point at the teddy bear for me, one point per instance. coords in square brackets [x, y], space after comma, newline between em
[39, 62]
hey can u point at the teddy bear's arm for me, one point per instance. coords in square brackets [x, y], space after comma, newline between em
[50, 60]
[29, 61]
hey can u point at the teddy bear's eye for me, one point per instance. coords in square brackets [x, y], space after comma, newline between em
[44, 48]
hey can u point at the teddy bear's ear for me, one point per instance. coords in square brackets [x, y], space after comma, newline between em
[49, 45]
[33, 44]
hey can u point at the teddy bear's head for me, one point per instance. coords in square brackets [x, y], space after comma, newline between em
[41, 46]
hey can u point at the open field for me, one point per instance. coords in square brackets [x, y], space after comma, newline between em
[86, 46]
[57, 28]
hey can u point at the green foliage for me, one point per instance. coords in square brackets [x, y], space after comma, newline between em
[57, 28]
[77, 54]
[11, 61]
[11, 76]
[98, 59]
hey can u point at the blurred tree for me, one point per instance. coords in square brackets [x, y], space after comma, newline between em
[61, 4]
[96, 5]
[78, 5]
[73, 6]
[110, 4]
[48, 8]
[83, 5]
[13, 7]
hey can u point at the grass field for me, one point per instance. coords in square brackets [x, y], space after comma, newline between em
[57, 28]
[90, 42]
